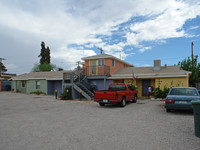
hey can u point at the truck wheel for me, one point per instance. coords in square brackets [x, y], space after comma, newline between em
[134, 99]
[101, 104]
[123, 102]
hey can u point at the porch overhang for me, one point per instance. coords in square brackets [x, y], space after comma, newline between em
[149, 76]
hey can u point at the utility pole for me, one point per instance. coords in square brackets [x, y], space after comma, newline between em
[1, 65]
[192, 44]
[78, 65]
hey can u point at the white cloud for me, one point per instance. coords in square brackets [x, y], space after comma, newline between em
[112, 48]
[194, 27]
[146, 65]
[120, 55]
[143, 49]
[167, 25]
[70, 56]
[62, 23]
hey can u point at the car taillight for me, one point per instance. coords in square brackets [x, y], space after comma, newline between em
[169, 101]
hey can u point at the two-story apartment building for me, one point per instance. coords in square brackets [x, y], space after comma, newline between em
[103, 64]
[94, 74]
[98, 68]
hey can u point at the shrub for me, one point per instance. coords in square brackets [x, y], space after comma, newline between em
[165, 92]
[157, 93]
[66, 94]
[133, 87]
[38, 92]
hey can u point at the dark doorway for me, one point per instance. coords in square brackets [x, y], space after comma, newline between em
[145, 85]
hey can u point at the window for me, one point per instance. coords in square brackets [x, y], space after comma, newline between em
[113, 63]
[23, 84]
[183, 91]
[101, 62]
[37, 84]
[117, 87]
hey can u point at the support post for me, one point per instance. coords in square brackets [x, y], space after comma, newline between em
[56, 94]
[80, 94]
[104, 83]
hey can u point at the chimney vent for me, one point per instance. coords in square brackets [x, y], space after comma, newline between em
[156, 65]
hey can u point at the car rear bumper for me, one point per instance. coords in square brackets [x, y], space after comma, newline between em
[107, 101]
[179, 106]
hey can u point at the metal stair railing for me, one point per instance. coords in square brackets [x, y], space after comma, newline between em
[79, 83]
[86, 89]
[78, 89]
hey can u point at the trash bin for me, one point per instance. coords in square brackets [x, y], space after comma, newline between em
[196, 110]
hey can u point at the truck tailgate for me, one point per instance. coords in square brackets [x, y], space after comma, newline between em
[105, 95]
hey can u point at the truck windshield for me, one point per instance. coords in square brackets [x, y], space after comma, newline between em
[183, 91]
[117, 87]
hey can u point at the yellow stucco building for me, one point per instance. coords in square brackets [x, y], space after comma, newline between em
[155, 76]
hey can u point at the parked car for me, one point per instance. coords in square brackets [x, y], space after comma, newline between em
[179, 98]
[116, 93]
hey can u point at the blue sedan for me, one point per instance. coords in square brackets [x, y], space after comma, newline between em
[179, 98]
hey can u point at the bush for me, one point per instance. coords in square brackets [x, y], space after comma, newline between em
[66, 94]
[133, 87]
[38, 92]
[158, 93]
[165, 92]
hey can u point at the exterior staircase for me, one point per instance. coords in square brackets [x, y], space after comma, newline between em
[83, 90]
[80, 85]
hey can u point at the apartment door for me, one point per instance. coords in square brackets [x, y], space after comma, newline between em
[145, 85]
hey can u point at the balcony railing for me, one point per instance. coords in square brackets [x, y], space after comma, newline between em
[97, 70]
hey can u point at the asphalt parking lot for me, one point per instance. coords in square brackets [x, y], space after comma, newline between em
[29, 122]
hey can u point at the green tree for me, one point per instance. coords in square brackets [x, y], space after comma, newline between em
[44, 54]
[3, 68]
[192, 66]
[48, 58]
[44, 67]
[45, 60]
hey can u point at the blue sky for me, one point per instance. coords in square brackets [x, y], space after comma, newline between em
[137, 31]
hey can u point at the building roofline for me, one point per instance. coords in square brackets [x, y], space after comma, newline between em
[41, 76]
[101, 56]
[145, 76]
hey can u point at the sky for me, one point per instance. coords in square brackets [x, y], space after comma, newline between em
[136, 31]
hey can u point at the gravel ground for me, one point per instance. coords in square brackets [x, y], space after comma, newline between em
[29, 122]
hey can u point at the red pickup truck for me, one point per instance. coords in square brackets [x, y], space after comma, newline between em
[116, 93]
